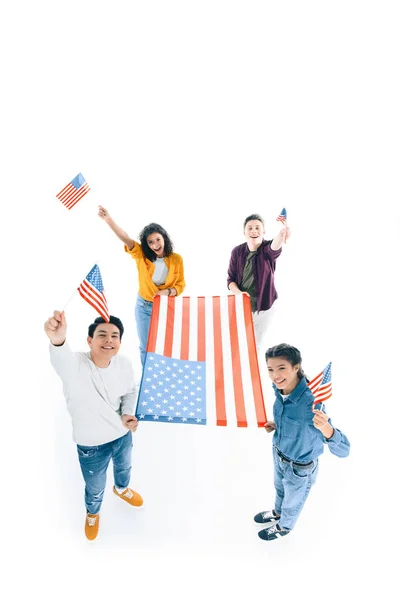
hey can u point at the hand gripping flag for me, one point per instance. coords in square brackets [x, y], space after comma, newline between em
[201, 364]
[91, 290]
[73, 191]
[321, 385]
[282, 216]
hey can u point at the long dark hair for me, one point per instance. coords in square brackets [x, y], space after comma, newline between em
[148, 230]
[289, 353]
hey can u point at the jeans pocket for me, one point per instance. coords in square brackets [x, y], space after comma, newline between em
[303, 472]
[87, 451]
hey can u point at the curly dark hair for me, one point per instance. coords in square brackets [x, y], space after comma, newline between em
[113, 320]
[289, 353]
[148, 230]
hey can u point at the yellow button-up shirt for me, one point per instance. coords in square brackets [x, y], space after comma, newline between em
[147, 288]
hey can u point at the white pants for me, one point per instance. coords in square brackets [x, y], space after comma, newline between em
[261, 322]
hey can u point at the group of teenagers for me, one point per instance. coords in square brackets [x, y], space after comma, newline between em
[101, 390]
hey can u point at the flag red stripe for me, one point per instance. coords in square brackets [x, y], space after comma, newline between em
[314, 386]
[236, 366]
[155, 315]
[94, 299]
[201, 329]
[77, 195]
[218, 364]
[59, 195]
[86, 286]
[254, 369]
[185, 328]
[95, 306]
[70, 195]
[323, 393]
[169, 329]
[70, 191]
[82, 193]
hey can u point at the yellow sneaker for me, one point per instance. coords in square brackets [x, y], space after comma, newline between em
[131, 497]
[92, 526]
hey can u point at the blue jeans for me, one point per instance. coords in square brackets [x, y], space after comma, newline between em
[94, 461]
[143, 312]
[292, 486]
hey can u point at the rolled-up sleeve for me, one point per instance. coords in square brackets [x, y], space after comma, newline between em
[180, 283]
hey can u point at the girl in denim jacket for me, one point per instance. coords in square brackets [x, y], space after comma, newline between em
[301, 431]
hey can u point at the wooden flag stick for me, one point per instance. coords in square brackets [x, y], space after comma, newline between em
[66, 304]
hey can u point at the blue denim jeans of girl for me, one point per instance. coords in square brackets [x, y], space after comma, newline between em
[94, 461]
[292, 486]
[143, 312]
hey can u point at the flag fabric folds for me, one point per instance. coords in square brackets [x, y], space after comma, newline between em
[91, 290]
[201, 364]
[321, 385]
[73, 191]
[282, 216]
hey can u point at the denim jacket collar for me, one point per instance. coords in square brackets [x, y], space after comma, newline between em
[296, 394]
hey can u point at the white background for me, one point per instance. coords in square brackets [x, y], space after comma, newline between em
[194, 115]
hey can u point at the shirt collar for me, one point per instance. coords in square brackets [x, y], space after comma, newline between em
[296, 394]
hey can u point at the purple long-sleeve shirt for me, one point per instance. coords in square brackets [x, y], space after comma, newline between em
[263, 271]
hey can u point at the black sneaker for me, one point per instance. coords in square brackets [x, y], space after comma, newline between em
[266, 517]
[272, 532]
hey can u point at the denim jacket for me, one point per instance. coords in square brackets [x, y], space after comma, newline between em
[295, 435]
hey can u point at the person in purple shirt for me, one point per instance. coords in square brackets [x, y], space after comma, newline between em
[251, 271]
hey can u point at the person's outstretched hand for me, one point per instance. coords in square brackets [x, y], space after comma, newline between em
[56, 328]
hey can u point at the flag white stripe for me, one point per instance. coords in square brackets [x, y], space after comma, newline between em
[100, 305]
[210, 374]
[193, 328]
[87, 288]
[230, 407]
[176, 340]
[162, 324]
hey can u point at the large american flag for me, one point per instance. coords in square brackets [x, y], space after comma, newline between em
[282, 216]
[321, 385]
[73, 191]
[201, 364]
[91, 290]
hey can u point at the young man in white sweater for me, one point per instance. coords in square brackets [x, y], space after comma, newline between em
[101, 393]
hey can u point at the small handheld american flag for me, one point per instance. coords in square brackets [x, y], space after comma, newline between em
[282, 216]
[73, 191]
[321, 385]
[91, 290]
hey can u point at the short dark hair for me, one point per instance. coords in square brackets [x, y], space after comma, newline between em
[254, 217]
[148, 230]
[290, 353]
[113, 320]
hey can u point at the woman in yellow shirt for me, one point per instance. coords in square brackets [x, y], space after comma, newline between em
[160, 270]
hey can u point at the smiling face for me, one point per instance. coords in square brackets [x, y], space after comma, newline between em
[155, 241]
[104, 344]
[283, 374]
[254, 231]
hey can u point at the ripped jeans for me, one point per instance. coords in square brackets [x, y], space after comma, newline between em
[94, 461]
